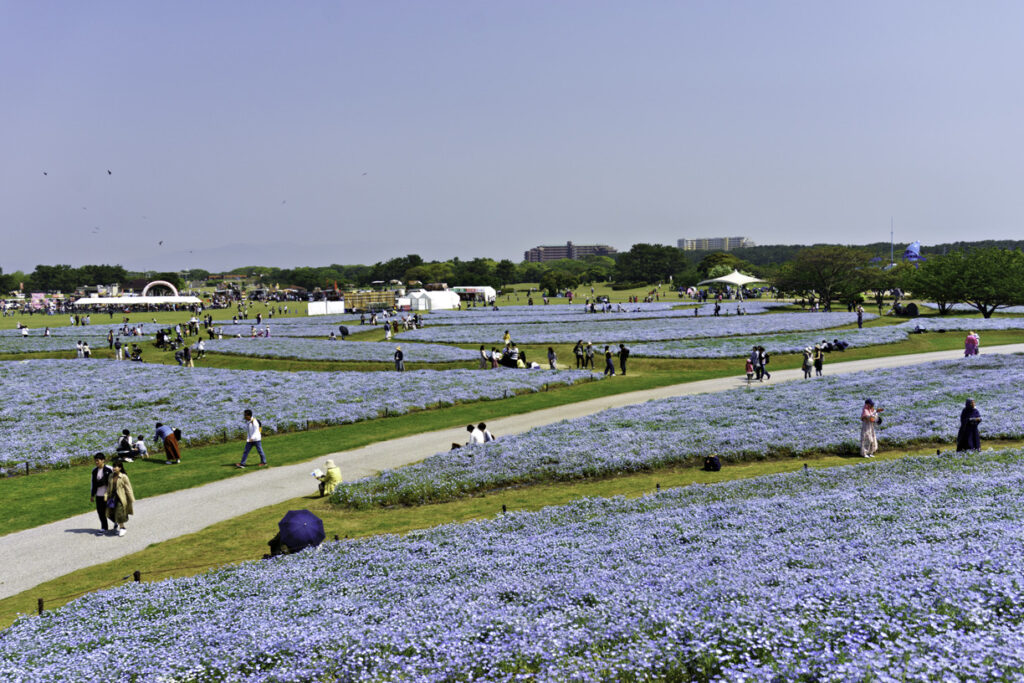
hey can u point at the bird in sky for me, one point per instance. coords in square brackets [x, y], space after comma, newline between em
[160, 243]
[45, 173]
[364, 174]
[108, 172]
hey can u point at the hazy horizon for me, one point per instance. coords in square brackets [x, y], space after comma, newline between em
[355, 133]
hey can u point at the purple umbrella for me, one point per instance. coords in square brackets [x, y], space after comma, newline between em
[301, 529]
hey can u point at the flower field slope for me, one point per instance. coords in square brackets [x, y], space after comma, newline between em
[964, 324]
[907, 570]
[84, 404]
[602, 331]
[738, 347]
[322, 349]
[564, 314]
[922, 403]
[302, 327]
[967, 308]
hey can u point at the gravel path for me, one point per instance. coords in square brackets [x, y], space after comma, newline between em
[34, 556]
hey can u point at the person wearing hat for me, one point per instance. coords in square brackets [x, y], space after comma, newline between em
[968, 438]
[868, 418]
[399, 359]
[330, 478]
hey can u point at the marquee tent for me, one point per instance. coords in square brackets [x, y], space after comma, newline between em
[735, 278]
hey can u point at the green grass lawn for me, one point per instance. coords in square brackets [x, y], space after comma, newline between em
[244, 537]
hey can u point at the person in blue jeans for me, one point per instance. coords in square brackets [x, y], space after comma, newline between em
[253, 437]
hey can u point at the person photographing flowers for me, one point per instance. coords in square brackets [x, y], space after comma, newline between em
[869, 417]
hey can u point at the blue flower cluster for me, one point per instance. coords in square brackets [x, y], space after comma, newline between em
[906, 570]
[601, 330]
[922, 403]
[321, 349]
[83, 405]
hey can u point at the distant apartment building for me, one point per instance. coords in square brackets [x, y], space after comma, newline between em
[569, 250]
[714, 243]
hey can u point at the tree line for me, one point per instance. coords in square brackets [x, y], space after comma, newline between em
[986, 275]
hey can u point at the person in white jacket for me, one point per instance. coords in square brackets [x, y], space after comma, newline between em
[253, 437]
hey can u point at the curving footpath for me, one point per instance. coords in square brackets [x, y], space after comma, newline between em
[29, 555]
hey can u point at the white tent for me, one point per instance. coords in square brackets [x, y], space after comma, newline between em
[735, 278]
[136, 300]
[424, 300]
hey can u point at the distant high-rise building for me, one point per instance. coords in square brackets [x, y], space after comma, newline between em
[569, 250]
[714, 243]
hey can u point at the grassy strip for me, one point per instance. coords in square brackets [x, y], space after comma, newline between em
[244, 537]
[57, 494]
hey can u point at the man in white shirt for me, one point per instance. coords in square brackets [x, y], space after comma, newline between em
[253, 437]
[475, 435]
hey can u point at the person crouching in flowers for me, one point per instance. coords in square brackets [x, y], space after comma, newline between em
[330, 478]
[868, 418]
[120, 497]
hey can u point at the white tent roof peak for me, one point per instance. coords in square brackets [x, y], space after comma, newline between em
[735, 278]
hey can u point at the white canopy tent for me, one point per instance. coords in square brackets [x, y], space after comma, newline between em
[735, 278]
[426, 300]
[136, 300]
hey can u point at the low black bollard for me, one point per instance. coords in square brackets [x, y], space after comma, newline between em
[657, 487]
[26, 469]
[503, 509]
[137, 575]
[40, 605]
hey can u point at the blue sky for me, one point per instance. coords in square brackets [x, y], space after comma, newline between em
[342, 132]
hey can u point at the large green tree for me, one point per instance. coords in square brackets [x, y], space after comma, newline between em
[649, 263]
[828, 272]
[987, 279]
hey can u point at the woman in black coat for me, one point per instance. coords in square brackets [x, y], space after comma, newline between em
[968, 439]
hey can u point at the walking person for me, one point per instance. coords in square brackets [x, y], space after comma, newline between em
[578, 352]
[968, 438]
[749, 369]
[589, 356]
[819, 359]
[253, 437]
[755, 362]
[120, 497]
[609, 366]
[623, 357]
[165, 435]
[869, 417]
[399, 359]
[483, 357]
[764, 359]
[100, 479]
[552, 358]
[860, 317]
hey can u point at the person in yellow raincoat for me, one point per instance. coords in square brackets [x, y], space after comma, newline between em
[330, 479]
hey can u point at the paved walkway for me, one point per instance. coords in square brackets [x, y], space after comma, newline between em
[37, 555]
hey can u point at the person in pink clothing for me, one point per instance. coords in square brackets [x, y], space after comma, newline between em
[971, 344]
[868, 418]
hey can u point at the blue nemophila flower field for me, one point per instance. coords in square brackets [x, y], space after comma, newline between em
[564, 314]
[601, 329]
[323, 349]
[905, 570]
[922, 403]
[739, 347]
[964, 324]
[82, 405]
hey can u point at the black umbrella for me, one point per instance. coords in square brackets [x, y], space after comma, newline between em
[343, 330]
[301, 529]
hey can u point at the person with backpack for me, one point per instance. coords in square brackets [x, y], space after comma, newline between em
[253, 437]
[125, 448]
[623, 356]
